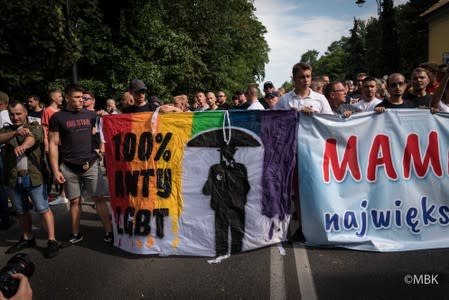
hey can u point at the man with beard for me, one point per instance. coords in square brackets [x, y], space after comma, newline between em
[396, 86]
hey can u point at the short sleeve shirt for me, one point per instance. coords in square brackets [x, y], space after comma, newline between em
[34, 155]
[405, 104]
[314, 100]
[75, 134]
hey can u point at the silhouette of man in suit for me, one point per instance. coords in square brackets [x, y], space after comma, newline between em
[228, 186]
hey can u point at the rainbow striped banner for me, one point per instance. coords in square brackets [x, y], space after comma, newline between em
[205, 184]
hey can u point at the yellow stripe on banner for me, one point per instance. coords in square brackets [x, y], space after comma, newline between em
[154, 175]
[175, 130]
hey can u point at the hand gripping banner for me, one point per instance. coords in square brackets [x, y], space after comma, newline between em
[204, 184]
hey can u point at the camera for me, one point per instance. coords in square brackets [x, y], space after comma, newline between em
[19, 263]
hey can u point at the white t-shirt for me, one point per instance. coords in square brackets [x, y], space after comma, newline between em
[443, 107]
[314, 100]
[256, 106]
[4, 118]
[367, 106]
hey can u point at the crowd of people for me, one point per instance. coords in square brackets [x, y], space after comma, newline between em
[68, 138]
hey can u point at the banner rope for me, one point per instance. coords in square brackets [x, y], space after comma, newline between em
[228, 119]
[154, 123]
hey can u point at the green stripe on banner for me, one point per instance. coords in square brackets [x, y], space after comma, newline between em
[206, 120]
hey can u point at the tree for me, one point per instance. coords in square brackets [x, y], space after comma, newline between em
[174, 46]
[372, 41]
[356, 51]
[36, 45]
[310, 57]
[412, 31]
[389, 49]
[333, 62]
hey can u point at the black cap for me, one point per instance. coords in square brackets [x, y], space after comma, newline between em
[272, 95]
[268, 85]
[137, 85]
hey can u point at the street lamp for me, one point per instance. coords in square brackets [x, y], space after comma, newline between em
[379, 5]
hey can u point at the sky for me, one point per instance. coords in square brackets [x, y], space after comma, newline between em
[295, 26]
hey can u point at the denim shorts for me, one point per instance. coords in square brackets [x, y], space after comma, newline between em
[23, 191]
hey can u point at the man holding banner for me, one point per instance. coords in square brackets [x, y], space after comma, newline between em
[302, 98]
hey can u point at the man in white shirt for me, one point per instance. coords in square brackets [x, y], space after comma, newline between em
[368, 100]
[253, 98]
[302, 98]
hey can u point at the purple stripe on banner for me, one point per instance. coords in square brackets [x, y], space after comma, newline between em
[278, 133]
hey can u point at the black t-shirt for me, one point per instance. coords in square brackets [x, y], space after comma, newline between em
[420, 101]
[75, 134]
[224, 106]
[243, 106]
[35, 116]
[149, 106]
[264, 103]
[405, 104]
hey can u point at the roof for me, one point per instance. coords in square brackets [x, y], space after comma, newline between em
[435, 7]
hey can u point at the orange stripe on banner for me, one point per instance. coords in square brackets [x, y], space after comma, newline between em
[140, 165]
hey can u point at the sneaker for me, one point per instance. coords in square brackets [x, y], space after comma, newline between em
[108, 237]
[21, 244]
[59, 200]
[75, 238]
[52, 249]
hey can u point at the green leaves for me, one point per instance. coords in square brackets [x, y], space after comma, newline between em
[396, 41]
[174, 46]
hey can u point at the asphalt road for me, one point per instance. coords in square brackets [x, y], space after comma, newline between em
[95, 270]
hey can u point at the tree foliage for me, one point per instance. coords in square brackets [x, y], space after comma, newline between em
[389, 54]
[356, 47]
[310, 57]
[396, 41]
[174, 46]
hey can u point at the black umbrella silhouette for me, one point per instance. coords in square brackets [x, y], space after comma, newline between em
[214, 138]
[227, 184]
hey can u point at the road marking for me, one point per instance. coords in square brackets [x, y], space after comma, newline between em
[277, 275]
[305, 278]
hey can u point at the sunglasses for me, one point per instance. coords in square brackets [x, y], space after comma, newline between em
[220, 96]
[395, 84]
[87, 98]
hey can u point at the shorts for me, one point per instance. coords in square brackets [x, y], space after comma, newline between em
[23, 189]
[73, 180]
[102, 183]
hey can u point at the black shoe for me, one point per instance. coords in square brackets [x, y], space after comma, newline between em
[21, 244]
[75, 238]
[108, 238]
[52, 249]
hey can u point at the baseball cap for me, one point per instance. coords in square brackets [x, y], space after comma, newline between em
[272, 95]
[268, 85]
[137, 85]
